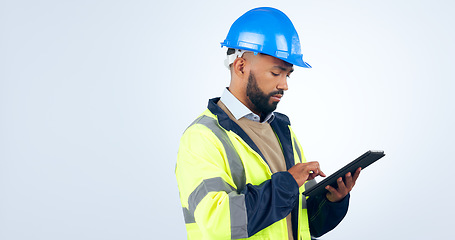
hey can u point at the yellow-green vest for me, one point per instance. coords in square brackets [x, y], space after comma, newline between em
[213, 164]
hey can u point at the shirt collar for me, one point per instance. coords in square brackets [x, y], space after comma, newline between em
[239, 110]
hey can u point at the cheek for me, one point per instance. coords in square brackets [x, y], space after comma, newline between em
[270, 86]
[267, 83]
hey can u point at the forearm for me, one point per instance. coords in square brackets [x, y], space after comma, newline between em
[325, 215]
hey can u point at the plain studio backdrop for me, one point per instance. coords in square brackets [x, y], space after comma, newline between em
[94, 96]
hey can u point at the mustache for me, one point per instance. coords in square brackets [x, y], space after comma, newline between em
[276, 92]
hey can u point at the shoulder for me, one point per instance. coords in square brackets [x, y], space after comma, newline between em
[204, 122]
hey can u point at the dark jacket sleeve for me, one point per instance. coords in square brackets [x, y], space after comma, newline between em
[271, 201]
[325, 215]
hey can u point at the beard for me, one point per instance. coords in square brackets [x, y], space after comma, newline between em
[258, 98]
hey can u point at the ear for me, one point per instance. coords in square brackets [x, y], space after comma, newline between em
[238, 67]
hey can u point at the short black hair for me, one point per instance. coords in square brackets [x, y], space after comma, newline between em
[230, 51]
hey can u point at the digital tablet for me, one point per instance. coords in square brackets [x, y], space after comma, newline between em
[363, 161]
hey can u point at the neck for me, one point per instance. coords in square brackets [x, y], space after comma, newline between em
[243, 98]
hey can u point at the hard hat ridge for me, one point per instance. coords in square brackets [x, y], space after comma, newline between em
[269, 31]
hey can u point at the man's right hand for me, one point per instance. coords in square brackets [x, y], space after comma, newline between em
[303, 172]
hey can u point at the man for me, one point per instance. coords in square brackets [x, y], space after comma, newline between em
[240, 169]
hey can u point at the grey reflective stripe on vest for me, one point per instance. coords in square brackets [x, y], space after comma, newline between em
[189, 218]
[297, 149]
[236, 201]
[239, 219]
[308, 185]
[304, 202]
[207, 185]
[237, 207]
[235, 164]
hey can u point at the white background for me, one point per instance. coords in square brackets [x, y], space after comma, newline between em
[94, 96]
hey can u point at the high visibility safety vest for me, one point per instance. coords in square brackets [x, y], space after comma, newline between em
[225, 184]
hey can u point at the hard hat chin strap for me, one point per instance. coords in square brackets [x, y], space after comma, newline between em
[231, 58]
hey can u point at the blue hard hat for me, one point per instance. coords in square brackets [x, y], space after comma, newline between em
[269, 31]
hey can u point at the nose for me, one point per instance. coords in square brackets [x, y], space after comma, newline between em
[283, 84]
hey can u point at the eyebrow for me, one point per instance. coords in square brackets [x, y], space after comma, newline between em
[284, 69]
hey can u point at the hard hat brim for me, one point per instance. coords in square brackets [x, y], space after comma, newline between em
[298, 62]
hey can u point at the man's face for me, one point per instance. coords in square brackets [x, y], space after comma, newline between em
[267, 82]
